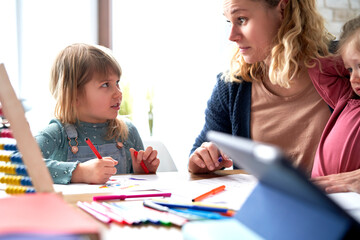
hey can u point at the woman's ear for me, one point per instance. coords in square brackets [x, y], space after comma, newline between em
[283, 4]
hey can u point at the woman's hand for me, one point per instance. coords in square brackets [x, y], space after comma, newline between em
[96, 171]
[149, 157]
[206, 159]
[341, 182]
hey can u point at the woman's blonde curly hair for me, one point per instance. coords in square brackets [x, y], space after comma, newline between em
[301, 38]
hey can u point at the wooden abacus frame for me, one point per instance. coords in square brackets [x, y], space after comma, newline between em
[28, 147]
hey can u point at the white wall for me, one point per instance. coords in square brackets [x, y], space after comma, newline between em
[337, 12]
[46, 28]
[8, 44]
[175, 47]
[178, 48]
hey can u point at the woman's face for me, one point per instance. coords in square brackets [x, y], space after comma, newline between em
[254, 25]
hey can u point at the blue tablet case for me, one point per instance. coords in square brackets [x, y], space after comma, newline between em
[275, 215]
[284, 204]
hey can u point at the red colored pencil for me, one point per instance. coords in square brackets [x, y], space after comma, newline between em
[88, 141]
[142, 164]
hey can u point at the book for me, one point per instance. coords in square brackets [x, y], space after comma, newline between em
[44, 213]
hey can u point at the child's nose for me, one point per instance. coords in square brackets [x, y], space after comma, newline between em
[355, 76]
[118, 92]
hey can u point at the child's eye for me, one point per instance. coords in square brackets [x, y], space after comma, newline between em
[105, 85]
[349, 70]
[118, 85]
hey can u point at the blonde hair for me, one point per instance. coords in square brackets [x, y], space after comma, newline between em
[350, 33]
[301, 38]
[73, 68]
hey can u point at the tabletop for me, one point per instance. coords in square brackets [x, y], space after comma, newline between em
[148, 231]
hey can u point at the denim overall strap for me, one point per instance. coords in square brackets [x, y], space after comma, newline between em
[70, 131]
[106, 150]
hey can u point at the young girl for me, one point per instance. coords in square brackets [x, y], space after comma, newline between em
[339, 147]
[85, 83]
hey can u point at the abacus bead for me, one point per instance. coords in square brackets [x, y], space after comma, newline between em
[6, 158]
[16, 158]
[20, 190]
[17, 180]
[30, 190]
[10, 147]
[10, 169]
[15, 190]
[21, 170]
[8, 133]
[26, 181]
[3, 179]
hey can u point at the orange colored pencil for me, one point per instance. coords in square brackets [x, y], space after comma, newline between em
[209, 193]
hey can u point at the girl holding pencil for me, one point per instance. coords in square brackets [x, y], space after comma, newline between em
[88, 142]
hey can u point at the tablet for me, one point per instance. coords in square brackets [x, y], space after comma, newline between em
[278, 176]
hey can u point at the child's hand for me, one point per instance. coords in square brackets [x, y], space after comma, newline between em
[149, 156]
[97, 171]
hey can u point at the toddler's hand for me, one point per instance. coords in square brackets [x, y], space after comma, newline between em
[340, 182]
[96, 171]
[149, 157]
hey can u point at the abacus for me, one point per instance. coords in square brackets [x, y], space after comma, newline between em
[20, 157]
[16, 178]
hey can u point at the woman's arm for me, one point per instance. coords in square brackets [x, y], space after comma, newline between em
[204, 155]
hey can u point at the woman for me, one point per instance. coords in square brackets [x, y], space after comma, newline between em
[268, 95]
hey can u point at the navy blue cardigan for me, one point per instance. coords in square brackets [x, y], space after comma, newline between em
[228, 110]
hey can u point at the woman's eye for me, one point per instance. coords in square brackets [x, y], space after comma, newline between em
[349, 70]
[242, 20]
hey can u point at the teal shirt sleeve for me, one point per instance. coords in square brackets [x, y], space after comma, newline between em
[53, 145]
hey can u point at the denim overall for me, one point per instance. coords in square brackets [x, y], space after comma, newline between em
[85, 153]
